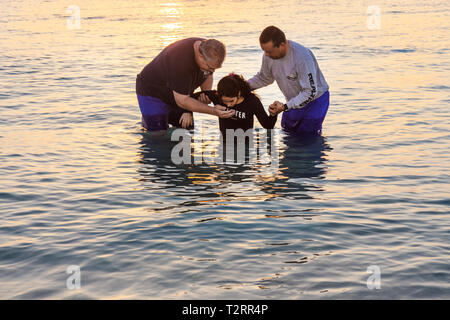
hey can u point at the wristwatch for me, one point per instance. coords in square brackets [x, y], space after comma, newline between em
[285, 107]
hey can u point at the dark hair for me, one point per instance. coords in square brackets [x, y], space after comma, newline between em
[231, 85]
[273, 34]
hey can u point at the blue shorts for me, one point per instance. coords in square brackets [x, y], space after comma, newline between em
[308, 119]
[157, 115]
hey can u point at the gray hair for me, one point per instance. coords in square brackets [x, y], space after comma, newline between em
[213, 49]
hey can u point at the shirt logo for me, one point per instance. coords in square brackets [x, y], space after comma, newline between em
[237, 115]
[240, 114]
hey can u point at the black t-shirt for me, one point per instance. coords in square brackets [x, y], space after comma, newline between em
[243, 119]
[174, 69]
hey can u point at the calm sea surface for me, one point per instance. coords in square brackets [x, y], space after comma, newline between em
[82, 184]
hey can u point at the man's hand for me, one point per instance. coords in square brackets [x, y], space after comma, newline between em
[204, 98]
[275, 108]
[222, 112]
[186, 120]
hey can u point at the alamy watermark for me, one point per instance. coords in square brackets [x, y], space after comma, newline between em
[74, 21]
[374, 20]
[73, 282]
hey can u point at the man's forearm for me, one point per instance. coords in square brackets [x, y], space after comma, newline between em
[259, 80]
[306, 96]
[255, 82]
[302, 99]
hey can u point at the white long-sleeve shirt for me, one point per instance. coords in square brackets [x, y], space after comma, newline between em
[297, 74]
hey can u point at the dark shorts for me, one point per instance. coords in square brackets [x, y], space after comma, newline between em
[157, 115]
[308, 119]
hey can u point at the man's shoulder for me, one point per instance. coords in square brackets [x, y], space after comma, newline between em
[298, 48]
[192, 39]
[186, 41]
[181, 45]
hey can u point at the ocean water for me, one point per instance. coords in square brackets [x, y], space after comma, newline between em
[81, 184]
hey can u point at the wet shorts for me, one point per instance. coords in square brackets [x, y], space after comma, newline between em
[308, 119]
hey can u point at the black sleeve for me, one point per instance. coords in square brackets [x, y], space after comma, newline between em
[174, 110]
[267, 121]
[212, 95]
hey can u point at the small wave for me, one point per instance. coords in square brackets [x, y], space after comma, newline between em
[94, 18]
[394, 11]
[438, 88]
[116, 75]
[403, 50]
[16, 196]
[443, 202]
[209, 219]
[37, 294]
[278, 244]
[65, 78]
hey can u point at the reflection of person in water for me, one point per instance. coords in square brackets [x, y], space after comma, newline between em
[299, 158]
[159, 169]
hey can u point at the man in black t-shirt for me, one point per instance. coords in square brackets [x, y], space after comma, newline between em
[164, 86]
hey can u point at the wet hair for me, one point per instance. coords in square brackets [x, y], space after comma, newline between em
[231, 85]
[273, 34]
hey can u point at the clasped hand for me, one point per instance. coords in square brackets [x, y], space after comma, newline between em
[275, 108]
